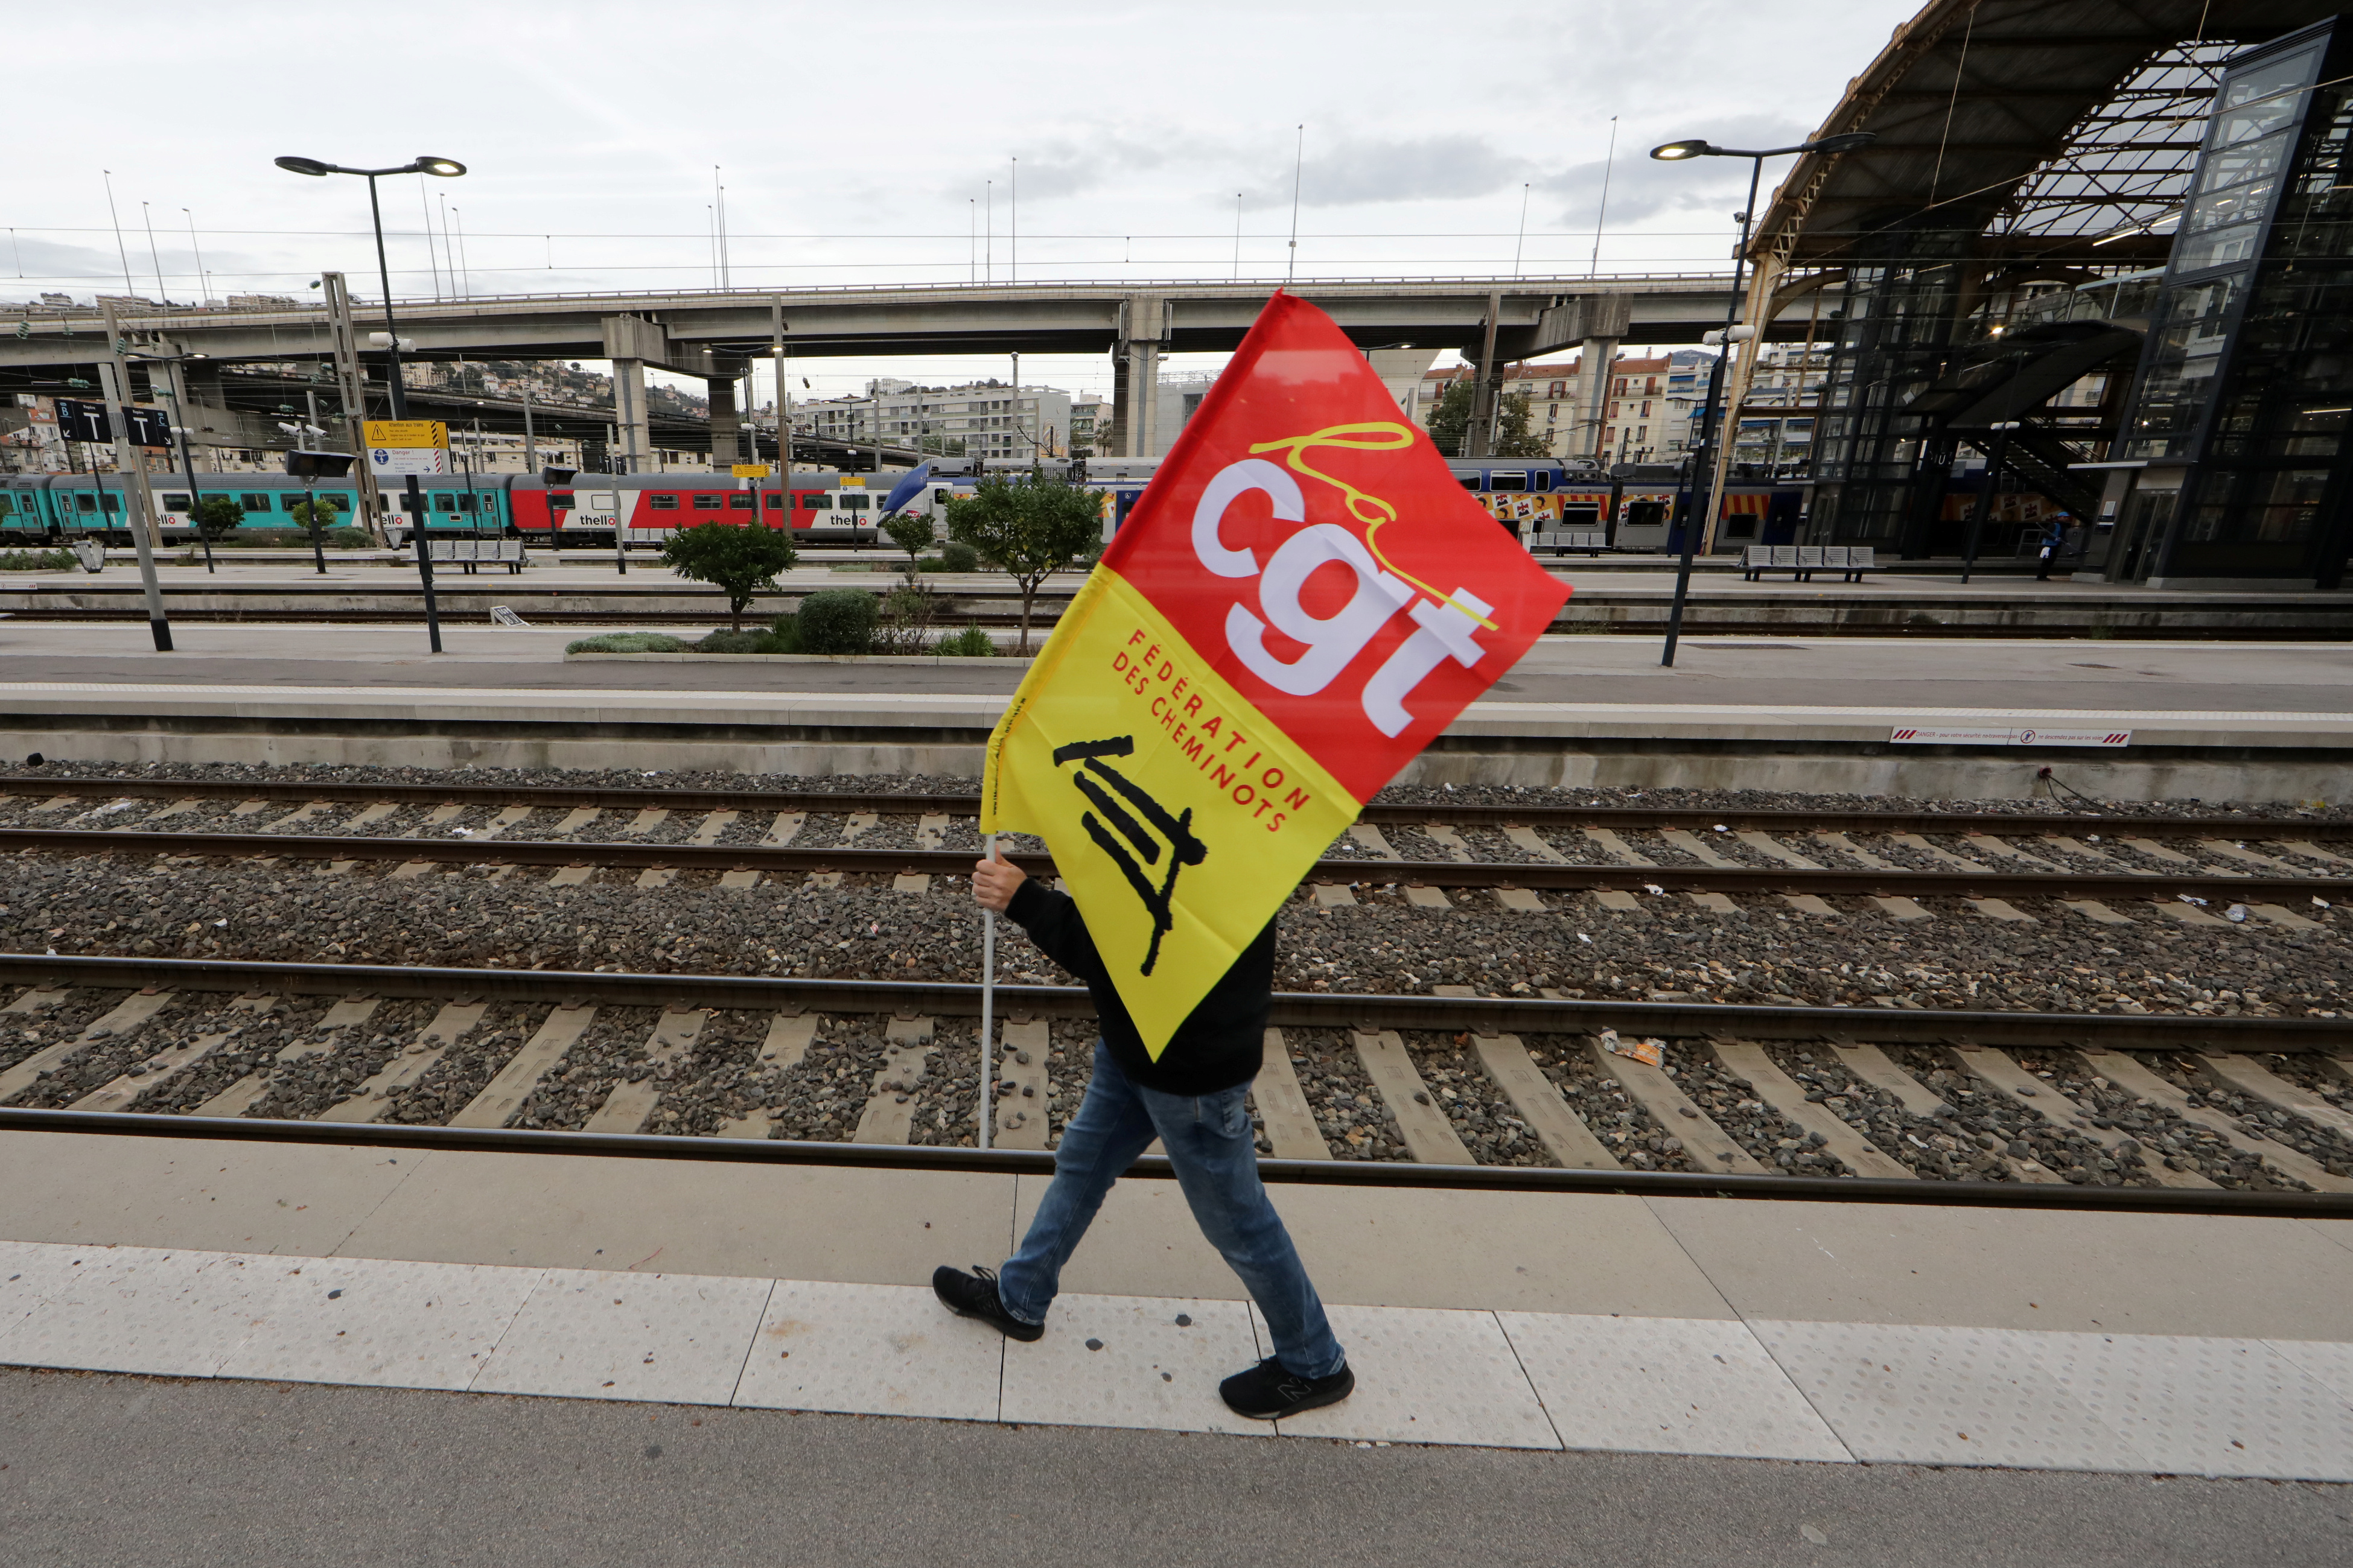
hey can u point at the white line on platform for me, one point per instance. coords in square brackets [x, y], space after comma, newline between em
[1826, 1392]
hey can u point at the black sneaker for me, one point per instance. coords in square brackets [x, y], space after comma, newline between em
[974, 1295]
[1267, 1392]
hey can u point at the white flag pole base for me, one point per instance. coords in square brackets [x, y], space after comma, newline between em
[987, 1010]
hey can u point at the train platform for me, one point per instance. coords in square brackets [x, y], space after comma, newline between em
[1920, 717]
[580, 590]
[447, 1349]
[1801, 1331]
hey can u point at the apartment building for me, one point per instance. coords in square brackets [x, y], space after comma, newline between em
[978, 419]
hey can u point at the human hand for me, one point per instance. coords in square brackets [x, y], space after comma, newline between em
[995, 881]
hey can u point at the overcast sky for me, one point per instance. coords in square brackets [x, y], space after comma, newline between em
[857, 144]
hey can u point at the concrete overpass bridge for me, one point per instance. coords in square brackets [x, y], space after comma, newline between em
[1493, 321]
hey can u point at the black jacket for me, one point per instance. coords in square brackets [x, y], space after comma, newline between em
[1219, 1045]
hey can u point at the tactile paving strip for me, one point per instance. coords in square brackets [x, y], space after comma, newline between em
[1905, 1393]
[2205, 1407]
[1126, 1361]
[595, 1335]
[382, 1324]
[871, 1350]
[1666, 1385]
[142, 1310]
[1425, 1375]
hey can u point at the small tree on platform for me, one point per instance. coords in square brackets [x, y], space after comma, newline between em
[739, 560]
[1029, 529]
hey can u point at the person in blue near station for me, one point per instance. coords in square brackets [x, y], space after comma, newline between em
[1191, 1099]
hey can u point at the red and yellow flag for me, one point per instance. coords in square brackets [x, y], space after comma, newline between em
[1301, 601]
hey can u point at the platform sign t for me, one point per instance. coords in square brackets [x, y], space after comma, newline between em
[149, 426]
[83, 421]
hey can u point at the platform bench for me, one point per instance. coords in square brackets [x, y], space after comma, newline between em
[1802, 561]
[473, 552]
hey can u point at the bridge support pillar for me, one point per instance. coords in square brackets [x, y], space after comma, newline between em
[629, 419]
[1592, 393]
[726, 423]
[1143, 331]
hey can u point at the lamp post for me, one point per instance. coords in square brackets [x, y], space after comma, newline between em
[1703, 451]
[414, 499]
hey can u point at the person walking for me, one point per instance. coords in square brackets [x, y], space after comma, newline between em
[1191, 1100]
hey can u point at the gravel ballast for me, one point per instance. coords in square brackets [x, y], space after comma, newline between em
[1857, 960]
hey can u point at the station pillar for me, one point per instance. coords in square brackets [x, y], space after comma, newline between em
[726, 423]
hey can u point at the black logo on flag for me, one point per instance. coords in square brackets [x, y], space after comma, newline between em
[1158, 833]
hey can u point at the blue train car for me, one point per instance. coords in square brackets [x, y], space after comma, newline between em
[24, 509]
[74, 506]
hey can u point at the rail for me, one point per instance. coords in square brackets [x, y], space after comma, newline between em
[1465, 814]
[1576, 876]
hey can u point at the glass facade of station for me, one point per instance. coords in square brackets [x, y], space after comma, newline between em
[2245, 392]
[2229, 462]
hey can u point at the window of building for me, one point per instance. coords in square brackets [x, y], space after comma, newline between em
[1646, 406]
[1558, 389]
[662, 503]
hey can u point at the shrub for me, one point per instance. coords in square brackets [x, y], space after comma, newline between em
[738, 642]
[969, 642]
[627, 642]
[838, 620]
[349, 538]
[907, 624]
[217, 517]
[955, 556]
[785, 631]
[37, 561]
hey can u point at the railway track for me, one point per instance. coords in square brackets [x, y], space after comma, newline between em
[1515, 849]
[2176, 1113]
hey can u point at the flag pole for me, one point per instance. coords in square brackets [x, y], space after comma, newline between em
[987, 1009]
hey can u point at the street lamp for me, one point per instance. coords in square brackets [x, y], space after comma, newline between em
[1702, 452]
[448, 168]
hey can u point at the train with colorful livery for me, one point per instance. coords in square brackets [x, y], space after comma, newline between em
[826, 507]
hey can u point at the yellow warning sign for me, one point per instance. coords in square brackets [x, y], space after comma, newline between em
[410, 433]
[750, 470]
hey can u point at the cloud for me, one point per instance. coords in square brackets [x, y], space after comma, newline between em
[1361, 170]
[1641, 187]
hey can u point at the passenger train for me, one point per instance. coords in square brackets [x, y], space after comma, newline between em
[1635, 508]
[826, 507]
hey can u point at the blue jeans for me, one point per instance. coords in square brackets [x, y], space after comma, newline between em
[1215, 1152]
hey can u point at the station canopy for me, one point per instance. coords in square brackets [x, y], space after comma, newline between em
[2060, 129]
